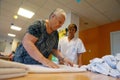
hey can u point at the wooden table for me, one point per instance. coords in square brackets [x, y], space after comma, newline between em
[66, 76]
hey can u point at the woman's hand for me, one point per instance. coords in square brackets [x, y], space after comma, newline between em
[66, 61]
[50, 64]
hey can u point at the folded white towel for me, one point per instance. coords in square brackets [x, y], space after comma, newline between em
[10, 64]
[9, 69]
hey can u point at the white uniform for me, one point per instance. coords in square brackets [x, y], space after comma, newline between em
[72, 48]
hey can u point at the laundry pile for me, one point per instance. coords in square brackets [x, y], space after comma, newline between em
[107, 65]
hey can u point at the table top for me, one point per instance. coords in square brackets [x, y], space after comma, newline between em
[65, 76]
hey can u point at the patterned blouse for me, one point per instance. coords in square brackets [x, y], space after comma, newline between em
[45, 43]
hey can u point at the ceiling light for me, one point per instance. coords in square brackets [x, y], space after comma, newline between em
[15, 17]
[11, 35]
[25, 13]
[15, 28]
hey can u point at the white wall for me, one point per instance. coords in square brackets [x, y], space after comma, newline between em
[67, 22]
[10, 44]
[7, 44]
[75, 20]
[14, 44]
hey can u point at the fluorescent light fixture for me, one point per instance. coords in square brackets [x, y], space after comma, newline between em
[11, 35]
[25, 13]
[15, 28]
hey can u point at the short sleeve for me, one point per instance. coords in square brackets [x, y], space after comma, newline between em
[81, 47]
[35, 29]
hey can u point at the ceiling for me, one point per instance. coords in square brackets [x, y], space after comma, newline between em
[92, 13]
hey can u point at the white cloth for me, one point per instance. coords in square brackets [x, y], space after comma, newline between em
[70, 49]
[118, 66]
[117, 56]
[63, 68]
[100, 65]
[9, 69]
[110, 60]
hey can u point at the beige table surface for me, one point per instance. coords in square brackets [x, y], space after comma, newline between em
[65, 76]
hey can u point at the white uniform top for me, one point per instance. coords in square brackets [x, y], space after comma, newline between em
[70, 49]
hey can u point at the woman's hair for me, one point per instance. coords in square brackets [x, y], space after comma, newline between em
[72, 26]
[58, 11]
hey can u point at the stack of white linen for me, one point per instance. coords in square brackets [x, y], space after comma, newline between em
[108, 65]
[9, 69]
[118, 60]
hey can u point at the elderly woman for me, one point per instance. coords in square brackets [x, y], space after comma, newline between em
[40, 40]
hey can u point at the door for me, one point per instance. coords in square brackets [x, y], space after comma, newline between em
[115, 42]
